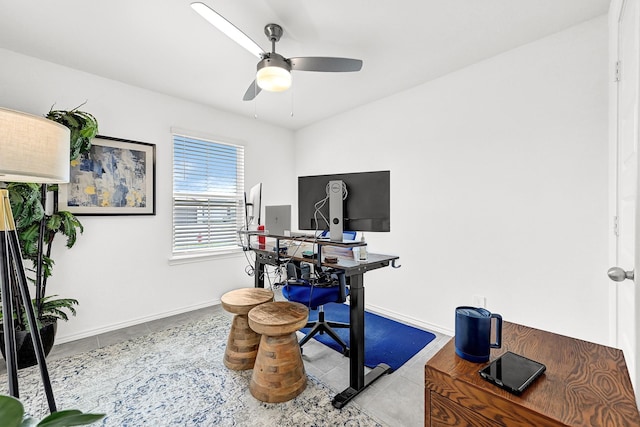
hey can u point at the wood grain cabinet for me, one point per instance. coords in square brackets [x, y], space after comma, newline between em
[585, 384]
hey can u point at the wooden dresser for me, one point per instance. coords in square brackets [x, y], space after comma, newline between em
[585, 384]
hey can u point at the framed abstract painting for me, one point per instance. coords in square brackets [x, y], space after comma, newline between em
[116, 177]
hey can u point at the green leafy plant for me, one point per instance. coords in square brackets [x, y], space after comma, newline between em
[36, 233]
[12, 415]
[38, 229]
[53, 308]
[83, 127]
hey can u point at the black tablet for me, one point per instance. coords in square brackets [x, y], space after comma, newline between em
[512, 372]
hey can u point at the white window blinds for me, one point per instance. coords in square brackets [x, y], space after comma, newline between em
[208, 195]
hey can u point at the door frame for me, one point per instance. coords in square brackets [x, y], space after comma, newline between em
[615, 9]
[615, 12]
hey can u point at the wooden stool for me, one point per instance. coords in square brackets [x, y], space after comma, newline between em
[278, 374]
[242, 345]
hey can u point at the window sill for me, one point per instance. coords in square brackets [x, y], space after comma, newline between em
[204, 257]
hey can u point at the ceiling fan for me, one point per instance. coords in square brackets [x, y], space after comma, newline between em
[274, 70]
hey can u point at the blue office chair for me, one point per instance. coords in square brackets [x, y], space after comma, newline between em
[315, 296]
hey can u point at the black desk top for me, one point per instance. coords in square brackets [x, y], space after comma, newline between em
[345, 262]
[349, 265]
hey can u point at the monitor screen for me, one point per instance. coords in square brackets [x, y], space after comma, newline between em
[366, 206]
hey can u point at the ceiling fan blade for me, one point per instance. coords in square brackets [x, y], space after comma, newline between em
[251, 92]
[327, 64]
[228, 28]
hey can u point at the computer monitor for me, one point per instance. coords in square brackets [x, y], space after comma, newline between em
[252, 204]
[366, 206]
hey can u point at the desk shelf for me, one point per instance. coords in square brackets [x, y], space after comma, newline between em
[274, 243]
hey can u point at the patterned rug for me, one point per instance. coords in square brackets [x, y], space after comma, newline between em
[175, 378]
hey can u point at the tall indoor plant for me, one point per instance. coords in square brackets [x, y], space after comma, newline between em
[37, 229]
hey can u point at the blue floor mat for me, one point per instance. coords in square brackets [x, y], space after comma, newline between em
[386, 341]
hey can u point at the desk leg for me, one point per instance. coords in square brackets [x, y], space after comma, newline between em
[358, 381]
[356, 333]
[259, 275]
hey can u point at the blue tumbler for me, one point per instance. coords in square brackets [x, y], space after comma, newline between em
[473, 333]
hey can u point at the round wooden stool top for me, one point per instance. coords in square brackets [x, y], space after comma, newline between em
[278, 318]
[241, 301]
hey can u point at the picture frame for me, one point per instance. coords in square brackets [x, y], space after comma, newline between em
[116, 177]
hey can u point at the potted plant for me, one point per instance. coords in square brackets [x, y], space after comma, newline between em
[12, 415]
[36, 232]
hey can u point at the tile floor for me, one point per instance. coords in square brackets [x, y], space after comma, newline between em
[396, 399]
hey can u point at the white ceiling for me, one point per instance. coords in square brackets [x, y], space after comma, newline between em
[164, 46]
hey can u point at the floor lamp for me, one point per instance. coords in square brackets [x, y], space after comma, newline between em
[32, 149]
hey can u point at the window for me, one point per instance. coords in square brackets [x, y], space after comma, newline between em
[208, 196]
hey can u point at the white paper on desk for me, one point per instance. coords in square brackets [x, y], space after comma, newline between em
[338, 251]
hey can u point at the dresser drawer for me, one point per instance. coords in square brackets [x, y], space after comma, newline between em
[447, 413]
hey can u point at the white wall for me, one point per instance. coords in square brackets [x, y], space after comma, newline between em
[499, 186]
[499, 189]
[119, 269]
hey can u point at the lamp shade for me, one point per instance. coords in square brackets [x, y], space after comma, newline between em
[33, 149]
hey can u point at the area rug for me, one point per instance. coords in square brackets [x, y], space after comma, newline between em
[175, 378]
[386, 341]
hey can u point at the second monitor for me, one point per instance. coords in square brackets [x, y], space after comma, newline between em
[278, 219]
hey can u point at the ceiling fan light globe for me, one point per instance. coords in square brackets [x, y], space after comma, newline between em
[273, 79]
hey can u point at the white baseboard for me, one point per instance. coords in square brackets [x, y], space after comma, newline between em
[61, 339]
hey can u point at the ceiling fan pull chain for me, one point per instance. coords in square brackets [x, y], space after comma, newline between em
[255, 101]
[292, 104]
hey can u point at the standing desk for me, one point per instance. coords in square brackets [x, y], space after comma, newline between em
[352, 269]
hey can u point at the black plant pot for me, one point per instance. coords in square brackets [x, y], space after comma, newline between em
[24, 344]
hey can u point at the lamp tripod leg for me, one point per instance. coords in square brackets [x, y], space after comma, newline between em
[7, 316]
[12, 257]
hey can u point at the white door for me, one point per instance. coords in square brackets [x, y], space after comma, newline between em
[627, 255]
